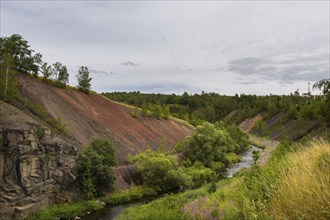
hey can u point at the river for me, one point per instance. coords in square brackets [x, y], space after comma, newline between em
[247, 161]
[111, 212]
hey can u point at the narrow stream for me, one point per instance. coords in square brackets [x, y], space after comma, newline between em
[111, 212]
[247, 161]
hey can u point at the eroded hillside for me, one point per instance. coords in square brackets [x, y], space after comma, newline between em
[278, 125]
[91, 115]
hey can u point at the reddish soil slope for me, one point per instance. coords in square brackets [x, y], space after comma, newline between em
[88, 116]
[248, 124]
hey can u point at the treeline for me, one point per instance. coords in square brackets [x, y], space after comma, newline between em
[16, 55]
[213, 107]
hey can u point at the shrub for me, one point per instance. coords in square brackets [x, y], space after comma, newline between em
[158, 170]
[198, 173]
[58, 125]
[94, 167]
[135, 113]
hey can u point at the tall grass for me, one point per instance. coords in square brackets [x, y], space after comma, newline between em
[295, 184]
[304, 190]
[165, 208]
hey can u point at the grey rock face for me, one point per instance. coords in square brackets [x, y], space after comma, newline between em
[33, 170]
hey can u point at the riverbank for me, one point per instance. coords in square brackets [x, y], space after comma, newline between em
[170, 208]
[268, 145]
[262, 192]
[140, 192]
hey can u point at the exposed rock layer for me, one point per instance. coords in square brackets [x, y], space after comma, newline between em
[35, 164]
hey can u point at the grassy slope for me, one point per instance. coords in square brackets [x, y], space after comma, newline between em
[293, 185]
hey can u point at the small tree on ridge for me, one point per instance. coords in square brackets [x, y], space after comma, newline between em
[84, 80]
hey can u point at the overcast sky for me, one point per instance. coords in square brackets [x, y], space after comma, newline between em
[250, 47]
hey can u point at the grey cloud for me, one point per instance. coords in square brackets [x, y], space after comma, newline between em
[247, 61]
[247, 82]
[305, 68]
[323, 57]
[154, 88]
[211, 43]
[101, 72]
[130, 63]
[250, 66]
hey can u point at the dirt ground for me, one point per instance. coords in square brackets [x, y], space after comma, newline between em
[88, 116]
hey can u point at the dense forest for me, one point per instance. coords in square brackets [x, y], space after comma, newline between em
[213, 107]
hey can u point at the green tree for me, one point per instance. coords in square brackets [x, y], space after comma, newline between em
[63, 75]
[46, 71]
[324, 86]
[144, 109]
[292, 112]
[37, 59]
[20, 50]
[84, 80]
[209, 113]
[240, 138]
[208, 145]
[8, 81]
[94, 167]
[166, 112]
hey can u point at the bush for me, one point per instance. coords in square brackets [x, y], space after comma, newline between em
[94, 167]
[198, 173]
[158, 170]
[135, 113]
[58, 125]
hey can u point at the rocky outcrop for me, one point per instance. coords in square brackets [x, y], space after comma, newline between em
[32, 171]
[35, 165]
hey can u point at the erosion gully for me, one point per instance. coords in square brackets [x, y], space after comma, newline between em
[111, 212]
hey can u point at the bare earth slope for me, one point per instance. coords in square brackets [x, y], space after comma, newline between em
[88, 116]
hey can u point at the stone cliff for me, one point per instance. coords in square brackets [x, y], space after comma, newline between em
[35, 164]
